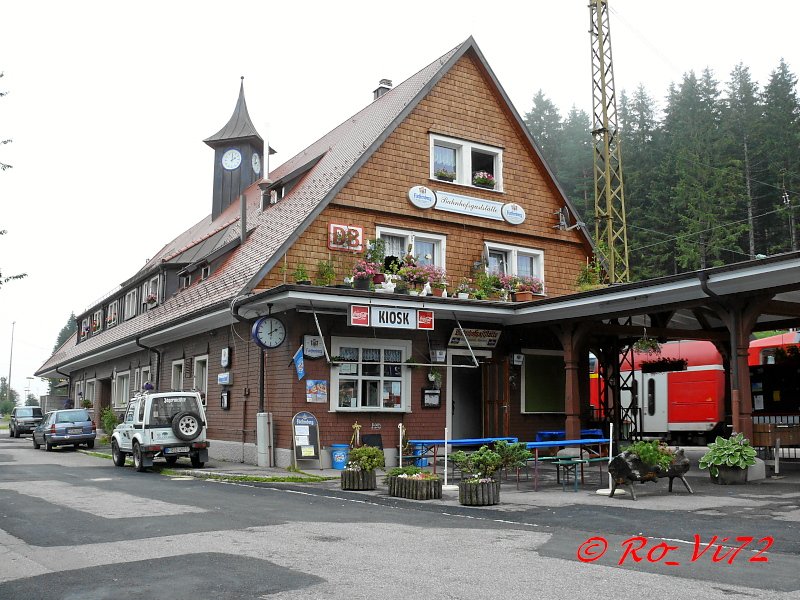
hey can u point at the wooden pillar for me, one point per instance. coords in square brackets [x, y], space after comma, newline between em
[572, 341]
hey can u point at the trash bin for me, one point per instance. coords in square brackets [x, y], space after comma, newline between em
[339, 454]
[420, 462]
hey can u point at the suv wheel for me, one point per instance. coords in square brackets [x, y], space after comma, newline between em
[186, 426]
[138, 463]
[116, 455]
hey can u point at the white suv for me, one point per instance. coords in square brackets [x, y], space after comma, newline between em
[168, 424]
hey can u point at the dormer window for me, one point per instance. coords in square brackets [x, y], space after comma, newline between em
[111, 313]
[97, 321]
[205, 272]
[185, 281]
[130, 305]
[84, 328]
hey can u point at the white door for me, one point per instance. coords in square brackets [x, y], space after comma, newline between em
[653, 402]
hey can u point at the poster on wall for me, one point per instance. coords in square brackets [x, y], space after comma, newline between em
[317, 390]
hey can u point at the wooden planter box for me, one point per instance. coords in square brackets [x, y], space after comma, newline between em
[522, 296]
[415, 489]
[479, 494]
[358, 480]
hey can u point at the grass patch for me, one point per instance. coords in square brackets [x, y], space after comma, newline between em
[257, 479]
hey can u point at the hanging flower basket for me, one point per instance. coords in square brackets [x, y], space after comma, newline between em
[664, 365]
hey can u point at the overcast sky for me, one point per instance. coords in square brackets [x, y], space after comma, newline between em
[108, 104]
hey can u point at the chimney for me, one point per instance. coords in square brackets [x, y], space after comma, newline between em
[384, 86]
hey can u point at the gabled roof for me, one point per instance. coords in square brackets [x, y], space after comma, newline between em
[336, 157]
[238, 127]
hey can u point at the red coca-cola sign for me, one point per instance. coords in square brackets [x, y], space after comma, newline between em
[359, 315]
[425, 319]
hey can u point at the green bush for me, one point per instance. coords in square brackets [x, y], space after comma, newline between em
[512, 456]
[653, 453]
[365, 458]
[481, 464]
[109, 420]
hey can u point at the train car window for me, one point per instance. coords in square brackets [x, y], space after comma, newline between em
[651, 397]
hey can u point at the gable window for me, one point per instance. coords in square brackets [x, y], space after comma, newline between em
[177, 375]
[512, 260]
[459, 160]
[122, 385]
[428, 248]
[371, 376]
[111, 314]
[130, 305]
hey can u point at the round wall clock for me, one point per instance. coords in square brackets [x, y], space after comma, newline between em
[268, 332]
[256, 163]
[231, 159]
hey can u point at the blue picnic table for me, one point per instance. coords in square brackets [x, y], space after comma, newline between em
[560, 434]
[422, 447]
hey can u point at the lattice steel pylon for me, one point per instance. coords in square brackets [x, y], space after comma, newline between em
[611, 237]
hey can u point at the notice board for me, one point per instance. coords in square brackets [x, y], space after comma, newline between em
[305, 436]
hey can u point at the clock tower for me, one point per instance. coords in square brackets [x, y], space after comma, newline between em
[238, 154]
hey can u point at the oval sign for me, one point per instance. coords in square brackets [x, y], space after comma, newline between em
[513, 213]
[422, 197]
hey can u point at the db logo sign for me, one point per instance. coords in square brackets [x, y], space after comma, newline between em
[359, 315]
[425, 319]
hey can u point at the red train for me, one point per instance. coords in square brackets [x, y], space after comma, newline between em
[682, 398]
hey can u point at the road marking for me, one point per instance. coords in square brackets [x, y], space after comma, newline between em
[97, 501]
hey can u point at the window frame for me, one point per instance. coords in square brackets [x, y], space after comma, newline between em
[523, 381]
[203, 388]
[405, 347]
[512, 254]
[130, 304]
[439, 241]
[111, 313]
[91, 391]
[126, 375]
[177, 366]
[464, 168]
[84, 332]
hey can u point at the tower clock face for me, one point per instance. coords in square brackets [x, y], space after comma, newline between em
[231, 159]
[256, 163]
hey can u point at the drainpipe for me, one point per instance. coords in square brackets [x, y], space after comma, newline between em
[158, 360]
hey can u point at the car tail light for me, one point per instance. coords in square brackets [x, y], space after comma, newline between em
[199, 444]
[52, 429]
[94, 427]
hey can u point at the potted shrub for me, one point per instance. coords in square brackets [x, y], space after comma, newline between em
[376, 255]
[360, 471]
[479, 488]
[525, 287]
[301, 275]
[727, 459]
[648, 461]
[437, 278]
[512, 456]
[445, 175]
[413, 483]
[483, 179]
[326, 273]
[464, 288]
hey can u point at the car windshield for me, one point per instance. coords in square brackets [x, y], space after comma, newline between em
[29, 411]
[162, 410]
[72, 416]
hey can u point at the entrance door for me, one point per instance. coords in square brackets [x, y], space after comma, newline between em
[464, 394]
[653, 402]
[496, 398]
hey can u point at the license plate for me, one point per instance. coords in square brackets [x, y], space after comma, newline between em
[176, 450]
[74, 430]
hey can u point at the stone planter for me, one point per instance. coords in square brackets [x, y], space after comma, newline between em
[730, 476]
[463, 295]
[358, 480]
[361, 284]
[478, 494]
[415, 489]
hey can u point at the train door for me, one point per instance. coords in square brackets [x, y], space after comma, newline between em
[653, 402]
[465, 394]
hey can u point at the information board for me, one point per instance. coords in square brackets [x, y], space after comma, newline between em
[305, 436]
